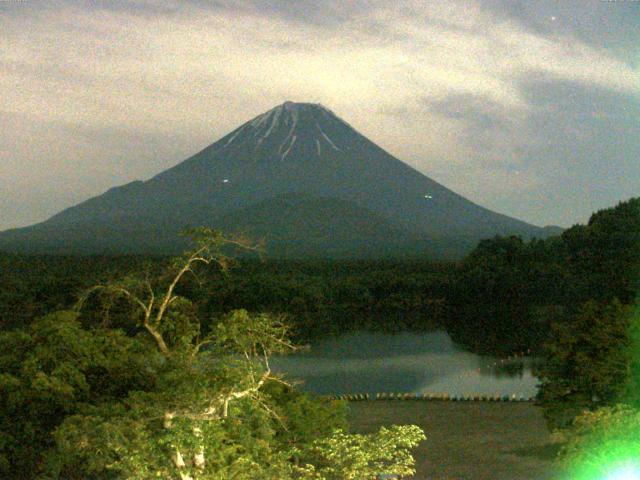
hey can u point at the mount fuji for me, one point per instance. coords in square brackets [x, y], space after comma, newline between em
[298, 177]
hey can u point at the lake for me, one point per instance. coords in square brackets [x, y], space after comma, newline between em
[421, 363]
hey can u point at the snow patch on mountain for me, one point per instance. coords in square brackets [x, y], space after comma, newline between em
[284, 155]
[274, 122]
[301, 121]
[238, 131]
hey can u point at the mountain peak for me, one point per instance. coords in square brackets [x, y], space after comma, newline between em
[289, 128]
[291, 105]
[291, 108]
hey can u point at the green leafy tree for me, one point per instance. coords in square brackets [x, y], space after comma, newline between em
[344, 456]
[172, 399]
[587, 362]
[47, 371]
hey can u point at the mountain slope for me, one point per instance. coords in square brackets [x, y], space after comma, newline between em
[241, 180]
[304, 226]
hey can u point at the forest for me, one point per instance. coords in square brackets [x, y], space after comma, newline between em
[501, 299]
[81, 373]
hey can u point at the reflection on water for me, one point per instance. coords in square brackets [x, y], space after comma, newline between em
[372, 362]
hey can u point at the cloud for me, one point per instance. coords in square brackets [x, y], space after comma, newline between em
[190, 72]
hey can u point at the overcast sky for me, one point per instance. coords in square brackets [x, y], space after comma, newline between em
[530, 108]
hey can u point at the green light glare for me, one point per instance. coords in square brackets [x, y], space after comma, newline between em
[606, 443]
[628, 472]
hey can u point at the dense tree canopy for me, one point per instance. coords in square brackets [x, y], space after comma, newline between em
[82, 398]
[49, 371]
[587, 362]
[590, 354]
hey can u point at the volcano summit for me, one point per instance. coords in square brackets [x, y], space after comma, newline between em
[296, 176]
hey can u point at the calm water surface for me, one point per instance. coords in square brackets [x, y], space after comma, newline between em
[372, 362]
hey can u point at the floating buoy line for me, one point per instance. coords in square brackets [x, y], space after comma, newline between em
[430, 397]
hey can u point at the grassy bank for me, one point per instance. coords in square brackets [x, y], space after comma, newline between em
[470, 440]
